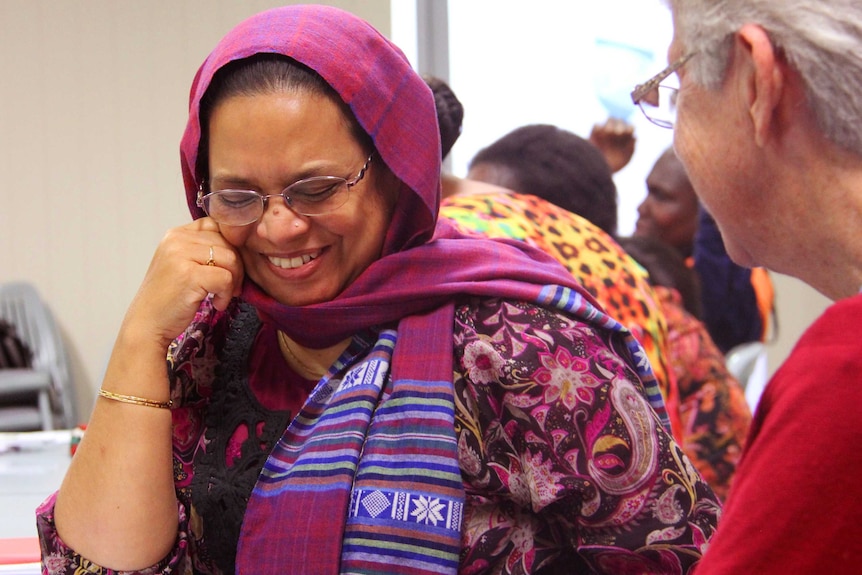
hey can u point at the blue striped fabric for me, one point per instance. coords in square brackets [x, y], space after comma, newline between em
[369, 468]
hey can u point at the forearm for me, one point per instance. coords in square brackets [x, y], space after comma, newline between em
[117, 505]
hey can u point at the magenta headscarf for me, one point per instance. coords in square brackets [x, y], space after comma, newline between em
[396, 108]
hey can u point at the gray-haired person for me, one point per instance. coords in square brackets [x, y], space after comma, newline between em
[767, 119]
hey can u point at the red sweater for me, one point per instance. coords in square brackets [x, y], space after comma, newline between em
[796, 502]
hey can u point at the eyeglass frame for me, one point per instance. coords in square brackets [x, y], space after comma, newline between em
[264, 198]
[641, 90]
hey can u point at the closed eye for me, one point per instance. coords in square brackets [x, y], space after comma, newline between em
[236, 199]
[315, 190]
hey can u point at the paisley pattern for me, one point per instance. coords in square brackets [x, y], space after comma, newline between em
[565, 466]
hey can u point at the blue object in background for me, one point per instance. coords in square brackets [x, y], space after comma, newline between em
[620, 65]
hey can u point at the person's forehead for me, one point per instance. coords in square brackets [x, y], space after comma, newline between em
[668, 172]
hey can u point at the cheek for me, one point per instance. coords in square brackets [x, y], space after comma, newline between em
[691, 151]
[710, 140]
[363, 228]
[375, 223]
[712, 167]
[236, 236]
[661, 212]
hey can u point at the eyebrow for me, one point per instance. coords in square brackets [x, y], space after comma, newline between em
[231, 182]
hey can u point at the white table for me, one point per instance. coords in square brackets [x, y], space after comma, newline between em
[32, 466]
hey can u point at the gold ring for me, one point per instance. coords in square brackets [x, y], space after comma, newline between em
[211, 261]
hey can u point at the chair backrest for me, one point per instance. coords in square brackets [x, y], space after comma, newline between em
[21, 304]
[747, 362]
[741, 360]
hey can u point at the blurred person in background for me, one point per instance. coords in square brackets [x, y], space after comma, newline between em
[554, 164]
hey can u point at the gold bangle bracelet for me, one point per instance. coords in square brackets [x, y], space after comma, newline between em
[135, 400]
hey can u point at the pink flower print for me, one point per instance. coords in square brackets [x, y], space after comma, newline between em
[55, 563]
[483, 362]
[544, 483]
[565, 378]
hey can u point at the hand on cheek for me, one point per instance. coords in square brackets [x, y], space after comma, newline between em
[191, 263]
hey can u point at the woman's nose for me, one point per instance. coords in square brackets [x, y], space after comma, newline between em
[279, 219]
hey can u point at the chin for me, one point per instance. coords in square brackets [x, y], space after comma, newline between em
[296, 295]
[740, 256]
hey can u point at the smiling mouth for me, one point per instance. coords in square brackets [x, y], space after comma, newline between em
[293, 263]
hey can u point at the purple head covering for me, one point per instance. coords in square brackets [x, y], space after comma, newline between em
[391, 102]
[394, 105]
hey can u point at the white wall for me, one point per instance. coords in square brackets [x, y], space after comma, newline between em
[93, 102]
[512, 66]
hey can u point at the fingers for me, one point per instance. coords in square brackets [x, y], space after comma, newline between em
[619, 127]
[615, 140]
[218, 253]
[190, 263]
[613, 129]
[223, 276]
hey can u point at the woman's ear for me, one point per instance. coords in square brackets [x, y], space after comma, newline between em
[763, 77]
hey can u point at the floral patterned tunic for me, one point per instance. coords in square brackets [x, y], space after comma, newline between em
[566, 468]
[599, 264]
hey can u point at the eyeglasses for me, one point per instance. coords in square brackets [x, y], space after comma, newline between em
[657, 96]
[309, 197]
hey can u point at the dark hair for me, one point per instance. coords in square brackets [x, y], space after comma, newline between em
[666, 267]
[267, 74]
[450, 113]
[558, 166]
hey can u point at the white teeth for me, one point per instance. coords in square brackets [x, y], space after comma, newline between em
[291, 263]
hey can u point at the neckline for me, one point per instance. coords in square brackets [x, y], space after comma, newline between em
[294, 362]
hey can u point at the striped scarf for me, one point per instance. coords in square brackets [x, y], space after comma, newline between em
[367, 475]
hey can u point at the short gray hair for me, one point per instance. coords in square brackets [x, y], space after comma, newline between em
[821, 39]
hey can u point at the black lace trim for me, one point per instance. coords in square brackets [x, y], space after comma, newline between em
[220, 492]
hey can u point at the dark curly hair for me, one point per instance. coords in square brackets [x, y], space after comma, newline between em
[555, 165]
[450, 113]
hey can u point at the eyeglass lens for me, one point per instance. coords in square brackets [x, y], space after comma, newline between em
[659, 105]
[311, 197]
